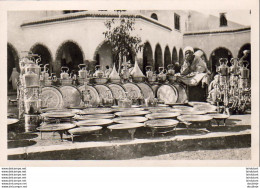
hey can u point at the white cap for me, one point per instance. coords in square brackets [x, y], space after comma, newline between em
[188, 48]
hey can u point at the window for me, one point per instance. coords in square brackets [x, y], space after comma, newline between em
[176, 21]
[223, 19]
[154, 16]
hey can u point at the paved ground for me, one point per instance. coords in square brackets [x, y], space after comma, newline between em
[221, 154]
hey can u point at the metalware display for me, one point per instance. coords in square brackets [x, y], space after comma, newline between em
[96, 111]
[51, 97]
[133, 90]
[146, 90]
[131, 113]
[162, 115]
[94, 116]
[105, 94]
[117, 90]
[130, 127]
[90, 95]
[161, 123]
[192, 112]
[168, 94]
[194, 118]
[94, 122]
[134, 119]
[71, 96]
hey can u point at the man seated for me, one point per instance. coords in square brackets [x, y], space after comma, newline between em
[194, 73]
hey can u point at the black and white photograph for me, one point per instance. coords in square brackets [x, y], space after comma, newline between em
[135, 85]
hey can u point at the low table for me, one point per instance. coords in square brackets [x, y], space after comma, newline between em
[131, 127]
[60, 128]
[83, 131]
[219, 117]
[156, 124]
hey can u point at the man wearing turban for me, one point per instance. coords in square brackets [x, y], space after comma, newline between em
[192, 63]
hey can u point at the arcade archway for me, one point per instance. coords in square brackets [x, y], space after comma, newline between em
[103, 55]
[174, 55]
[218, 53]
[43, 52]
[158, 58]
[167, 57]
[181, 59]
[70, 55]
[147, 56]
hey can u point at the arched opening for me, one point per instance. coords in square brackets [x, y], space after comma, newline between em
[103, 55]
[158, 58]
[69, 55]
[154, 16]
[216, 55]
[12, 62]
[45, 54]
[174, 55]
[181, 59]
[167, 57]
[147, 56]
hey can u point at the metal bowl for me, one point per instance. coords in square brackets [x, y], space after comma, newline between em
[100, 80]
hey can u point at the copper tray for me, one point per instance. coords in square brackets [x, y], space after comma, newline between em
[118, 109]
[161, 115]
[56, 127]
[133, 90]
[51, 97]
[194, 103]
[84, 130]
[161, 123]
[94, 122]
[126, 126]
[194, 118]
[218, 116]
[58, 115]
[95, 99]
[180, 107]
[94, 116]
[168, 94]
[96, 111]
[71, 96]
[131, 113]
[167, 110]
[207, 108]
[104, 92]
[134, 119]
[117, 90]
[192, 112]
[146, 90]
[182, 94]
[11, 121]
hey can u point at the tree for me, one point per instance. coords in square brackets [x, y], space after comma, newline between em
[121, 39]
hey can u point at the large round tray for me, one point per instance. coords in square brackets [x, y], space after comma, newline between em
[192, 112]
[11, 121]
[58, 115]
[207, 108]
[182, 94]
[146, 90]
[96, 111]
[131, 113]
[117, 90]
[71, 96]
[133, 90]
[180, 107]
[94, 116]
[161, 123]
[194, 118]
[194, 103]
[104, 92]
[95, 99]
[134, 119]
[51, 97]
[84, 130]
[167, 93]
[94, 122]
[125, 126]
[162, 115]
[218, 116]
[118, 109]
[56, 127]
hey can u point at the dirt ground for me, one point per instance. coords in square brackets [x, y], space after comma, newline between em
[221, 154]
